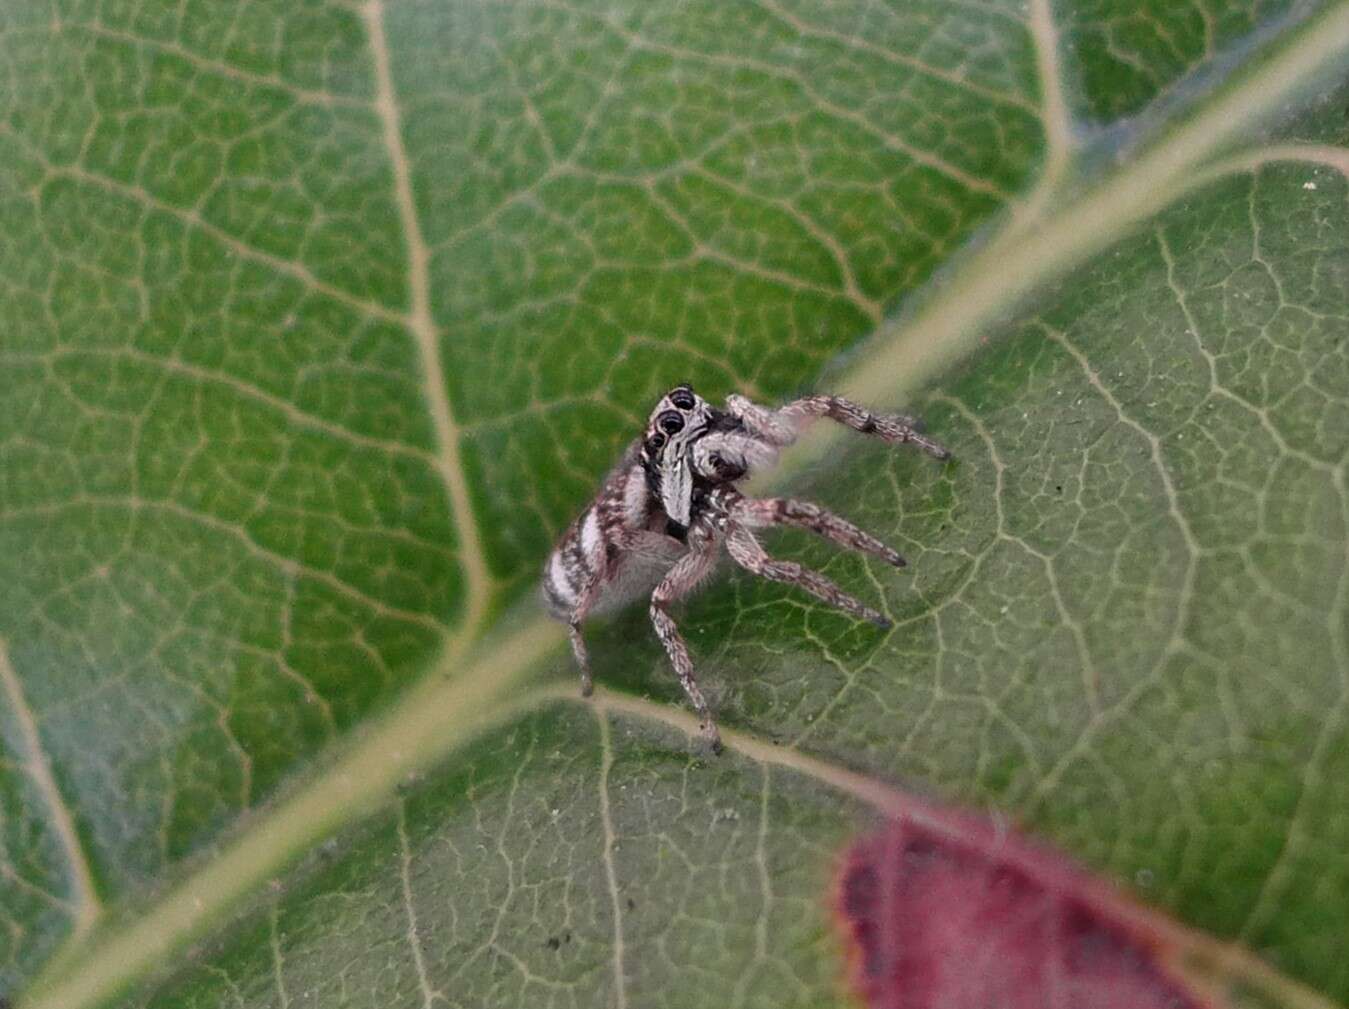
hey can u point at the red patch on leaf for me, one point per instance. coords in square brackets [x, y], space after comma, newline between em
[964, 915]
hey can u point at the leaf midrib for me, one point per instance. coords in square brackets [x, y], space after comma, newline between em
[1028, 254]
[1030, 251]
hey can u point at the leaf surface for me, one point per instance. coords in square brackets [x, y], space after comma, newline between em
[320, 323]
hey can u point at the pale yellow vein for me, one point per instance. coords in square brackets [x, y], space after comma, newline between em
[1054, 114]
[287, 566]
[1184, 597]
[208, 65]
[405, 881]
[1258, 157]
[610, 871]
[412, 735]
[289, 267]
[894, 142]
[821, 236]
[247, 390]
[994, 280]
[278, 958]
[1090, 674]
[860, 44]
[477, 577]
[84, 899]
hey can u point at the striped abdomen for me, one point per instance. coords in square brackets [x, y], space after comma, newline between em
[590, 548]
[574, 562]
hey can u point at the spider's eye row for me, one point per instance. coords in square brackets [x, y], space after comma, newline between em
[682, 398]
[670, 422]
[654, 443]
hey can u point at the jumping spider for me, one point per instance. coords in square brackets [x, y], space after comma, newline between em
[663, 513]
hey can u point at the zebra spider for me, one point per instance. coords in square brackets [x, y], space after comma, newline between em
[663, 513]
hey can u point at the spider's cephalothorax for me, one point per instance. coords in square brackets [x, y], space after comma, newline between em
[660, 519]
[679, 421]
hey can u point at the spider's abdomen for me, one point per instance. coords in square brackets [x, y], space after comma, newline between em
[587, 552]
[590, 554]
[570, 564]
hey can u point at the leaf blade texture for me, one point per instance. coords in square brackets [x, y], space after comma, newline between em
[320, 322]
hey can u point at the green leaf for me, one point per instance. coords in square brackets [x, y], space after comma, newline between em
[319, 323]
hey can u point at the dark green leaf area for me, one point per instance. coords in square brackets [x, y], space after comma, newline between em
[1126, 54]
[289, 170]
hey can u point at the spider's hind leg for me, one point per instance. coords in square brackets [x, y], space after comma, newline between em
[578, 646]
[761, 513]
[746, 551]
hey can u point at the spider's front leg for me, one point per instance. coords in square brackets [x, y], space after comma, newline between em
[682, 579]
[783, 425]
[746, 551]
[761, 513]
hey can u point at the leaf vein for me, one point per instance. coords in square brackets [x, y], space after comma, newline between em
[247, 390]
[238, 246]
[1091, 686]
[217, 67]
[288, 566]
[477, 578]
[802, 27]
[610, 871]
[428, 990]
[85, 905]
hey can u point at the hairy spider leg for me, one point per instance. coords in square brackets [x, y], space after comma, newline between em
[746, 551]
[764, 512]
[682, 579]
[783, 425]
[599, 578]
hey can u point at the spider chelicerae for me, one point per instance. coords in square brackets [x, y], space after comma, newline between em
[663, 513]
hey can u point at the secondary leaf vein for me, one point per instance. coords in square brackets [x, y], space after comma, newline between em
[610, 872]
[84, 901]
[477, 578]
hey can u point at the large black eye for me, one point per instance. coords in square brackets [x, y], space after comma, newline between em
[670, 422]
[654, 443]
[682, 398]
